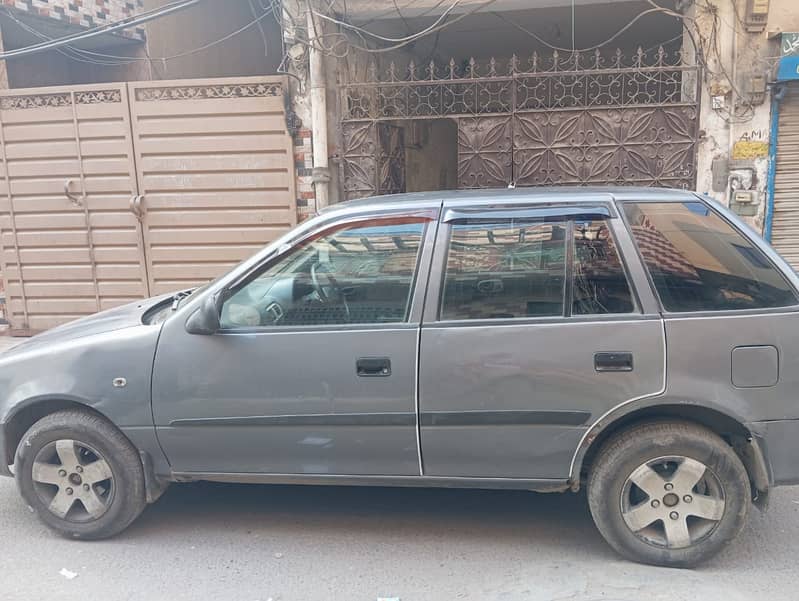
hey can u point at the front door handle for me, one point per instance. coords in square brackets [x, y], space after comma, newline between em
[613, 361]
[373, 367]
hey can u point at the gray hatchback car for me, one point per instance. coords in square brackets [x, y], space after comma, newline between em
[641, 343]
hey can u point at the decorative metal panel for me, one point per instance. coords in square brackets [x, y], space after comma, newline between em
[633, 146]
[391, 160]
[210, 90]
[484, 152]
[373, 160]
[565, 118]
[560, 80]
[359, 158]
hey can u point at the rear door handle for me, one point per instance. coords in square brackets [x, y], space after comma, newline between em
[613, 361]
[373, 367]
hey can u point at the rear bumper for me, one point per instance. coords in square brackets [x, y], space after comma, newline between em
[779, 441]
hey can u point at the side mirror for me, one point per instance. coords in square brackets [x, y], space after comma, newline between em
[205, 320]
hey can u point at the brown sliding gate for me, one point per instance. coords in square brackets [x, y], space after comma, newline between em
[563, 119]
[113, 192]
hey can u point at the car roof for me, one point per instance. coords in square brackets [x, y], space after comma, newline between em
[521, 195]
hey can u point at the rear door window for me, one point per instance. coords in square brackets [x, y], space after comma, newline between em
[699, 262]
[599, 284]
[504, 270]
[512, 269]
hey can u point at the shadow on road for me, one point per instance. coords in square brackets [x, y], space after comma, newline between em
[504, 517]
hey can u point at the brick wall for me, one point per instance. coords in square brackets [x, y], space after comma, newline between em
[84, 13]
[303, 164]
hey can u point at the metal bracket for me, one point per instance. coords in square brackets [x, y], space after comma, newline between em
[135, 206]
[74, 199]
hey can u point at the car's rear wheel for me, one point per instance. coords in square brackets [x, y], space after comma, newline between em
[668, 493]
[81, 476]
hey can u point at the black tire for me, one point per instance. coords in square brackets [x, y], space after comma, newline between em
[125, 490]
[613, 470]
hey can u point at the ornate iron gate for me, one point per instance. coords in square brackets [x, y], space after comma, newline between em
[563, 119]
[374, 159]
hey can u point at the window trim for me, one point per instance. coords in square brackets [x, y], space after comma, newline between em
[549, 213]
[427, 218]
[566, 313]
[743, 232]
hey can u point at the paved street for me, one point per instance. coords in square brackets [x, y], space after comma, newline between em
[208, 541]
[213, 541]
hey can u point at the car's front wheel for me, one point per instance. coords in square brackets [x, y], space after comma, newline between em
[668, 493]
[81, 476]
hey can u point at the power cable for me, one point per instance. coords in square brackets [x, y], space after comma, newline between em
[408, 38]
[260, 28]
[412, 39]
[123, 60]
[595, 46]
[108, 28]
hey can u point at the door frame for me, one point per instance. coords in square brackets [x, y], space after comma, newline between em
[648, 305]
[635, 271]
[430, 211]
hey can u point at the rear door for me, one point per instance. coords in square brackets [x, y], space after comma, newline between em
[532, 330]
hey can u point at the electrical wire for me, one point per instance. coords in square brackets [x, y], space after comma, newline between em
[595, 46]
[409, 38]
[104, 29]
[417, 36]
[260, 28]
[86, 56]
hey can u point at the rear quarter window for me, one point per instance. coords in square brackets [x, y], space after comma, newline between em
[699, 262]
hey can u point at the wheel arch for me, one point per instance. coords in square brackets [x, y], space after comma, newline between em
[732, 429]
[28, 413]
[31, 411]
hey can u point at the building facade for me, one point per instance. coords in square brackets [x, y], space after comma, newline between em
[621, 93]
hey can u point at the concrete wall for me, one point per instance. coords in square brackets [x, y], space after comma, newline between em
[54, 69]
[431, 155]
[739, 132]
[244, 54]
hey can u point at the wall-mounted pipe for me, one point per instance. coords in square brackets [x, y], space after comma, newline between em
[318, 94]
[777, 94]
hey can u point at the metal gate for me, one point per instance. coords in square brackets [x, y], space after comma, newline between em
[114, 192]
[375, 159]
[785, 227]
[563, 119]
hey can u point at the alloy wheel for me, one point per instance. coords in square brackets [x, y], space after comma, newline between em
[672, 502]
[73, 480]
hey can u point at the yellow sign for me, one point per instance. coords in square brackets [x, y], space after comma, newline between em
[745, 149]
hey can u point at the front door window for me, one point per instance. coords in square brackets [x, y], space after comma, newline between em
[354, 274]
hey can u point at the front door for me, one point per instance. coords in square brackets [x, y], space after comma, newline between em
[533, 333]
[314, 368]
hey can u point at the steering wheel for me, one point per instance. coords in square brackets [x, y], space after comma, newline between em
[323, 289]
[319, 287]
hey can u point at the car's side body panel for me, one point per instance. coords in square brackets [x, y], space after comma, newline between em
[82, 371]
[515, 399]
[701, 351]
[286, 402]
[288, 399]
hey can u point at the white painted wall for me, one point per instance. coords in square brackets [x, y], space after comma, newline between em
[743, 55]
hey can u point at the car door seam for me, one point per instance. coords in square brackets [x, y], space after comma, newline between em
[613, 409]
